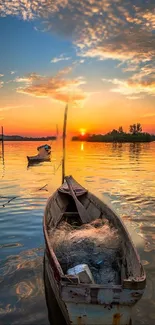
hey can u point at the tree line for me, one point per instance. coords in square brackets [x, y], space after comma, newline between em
[133, 129]
[135, 134]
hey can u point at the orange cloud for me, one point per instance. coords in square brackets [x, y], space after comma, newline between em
[148, 115]
[57, 87]
[101, 29]
[6, 108]
[29, 78]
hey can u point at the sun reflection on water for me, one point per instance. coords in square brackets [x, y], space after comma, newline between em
[123, 173]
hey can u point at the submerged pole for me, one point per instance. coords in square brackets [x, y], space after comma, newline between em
[64, 142]
[2, 139]
[57, 131]
[2, 135]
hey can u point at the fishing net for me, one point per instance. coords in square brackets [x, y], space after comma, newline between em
[95, 244]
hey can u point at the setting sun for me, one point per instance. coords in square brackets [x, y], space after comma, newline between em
[82, 132]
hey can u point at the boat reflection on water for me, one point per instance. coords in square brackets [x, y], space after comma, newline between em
[37, 163]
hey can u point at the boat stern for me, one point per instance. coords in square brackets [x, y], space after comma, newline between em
[100, 306]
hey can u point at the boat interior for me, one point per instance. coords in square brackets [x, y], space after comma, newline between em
[62, 208]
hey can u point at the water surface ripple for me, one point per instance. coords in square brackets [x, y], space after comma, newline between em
[122, 173]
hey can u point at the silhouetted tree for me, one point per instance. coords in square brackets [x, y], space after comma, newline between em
[139, 128]
[114, 131]
[120, 129]
[135, 128]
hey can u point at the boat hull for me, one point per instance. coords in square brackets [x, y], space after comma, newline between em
[99, 315]
[35, 160]
[92, 304]
[113, 306]
[54, 311]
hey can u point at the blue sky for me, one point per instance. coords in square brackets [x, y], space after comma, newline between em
[25, 49]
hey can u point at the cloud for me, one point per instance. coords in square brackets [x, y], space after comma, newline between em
[134, 97]
[149, 115]
[7, 108]
[1, 75]
[94, 24]
[1, 84]
[60, 58]
[144, 72]
[130, 87]
[133, 47]
[64, 71]
[55, 87]
[12, 72]
[29, 78]
[7, 82]
[102, 29]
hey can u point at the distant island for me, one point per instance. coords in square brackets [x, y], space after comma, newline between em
[20, 138]
[135, 135]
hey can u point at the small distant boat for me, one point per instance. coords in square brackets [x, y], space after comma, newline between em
[43, 155]
[83, 302]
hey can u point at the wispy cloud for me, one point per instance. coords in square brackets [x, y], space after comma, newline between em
[134, 97]
[1, 75]
[56, 87]
[148, 115]
[12, 72]
[130, 87]
[1, 84]
[7, 108]
[102, 29]
[60, 58]
[29, 78]
[7, 82]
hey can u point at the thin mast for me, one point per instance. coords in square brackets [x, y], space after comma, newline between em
[64, 141]
[2, 139]
[57, 131]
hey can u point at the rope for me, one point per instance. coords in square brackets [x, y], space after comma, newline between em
[55, 170]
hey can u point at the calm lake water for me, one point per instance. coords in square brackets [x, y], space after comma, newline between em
[123, 173]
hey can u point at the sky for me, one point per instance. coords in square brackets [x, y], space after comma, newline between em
[96, 55]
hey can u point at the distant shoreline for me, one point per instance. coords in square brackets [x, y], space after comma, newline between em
[117, 138]
[19, 138]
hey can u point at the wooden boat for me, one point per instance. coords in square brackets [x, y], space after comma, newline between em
[91, 303]
[88, 303]
[37, 159]
[43, 155]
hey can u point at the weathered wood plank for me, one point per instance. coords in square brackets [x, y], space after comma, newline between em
[93, 211]
[85, 217]
[76, 294]
[62, 201]
[85, 201]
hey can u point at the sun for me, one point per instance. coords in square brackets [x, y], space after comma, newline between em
[82, 132]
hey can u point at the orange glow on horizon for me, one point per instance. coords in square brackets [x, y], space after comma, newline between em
[38, 117]
[82, 132]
